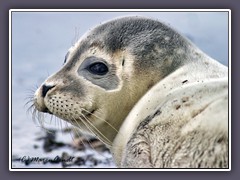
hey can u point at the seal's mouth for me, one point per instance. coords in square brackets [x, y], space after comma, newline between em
[48, 100]
[41, 106]
[90, 113]
[46, 110]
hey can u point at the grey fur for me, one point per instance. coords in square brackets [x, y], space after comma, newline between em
[142, 37]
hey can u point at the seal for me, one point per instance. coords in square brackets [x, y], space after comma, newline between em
[147, 92]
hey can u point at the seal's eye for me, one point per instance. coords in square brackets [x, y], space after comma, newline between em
[98, 68]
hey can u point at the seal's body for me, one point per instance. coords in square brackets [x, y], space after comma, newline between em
[148, 93]
[185, 125]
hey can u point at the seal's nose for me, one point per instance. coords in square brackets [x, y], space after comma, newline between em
[45, 89]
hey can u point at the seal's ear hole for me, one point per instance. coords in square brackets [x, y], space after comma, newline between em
[123, 61]
[98, 68]
[66, 57]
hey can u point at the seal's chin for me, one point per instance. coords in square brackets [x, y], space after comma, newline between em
[41, 106]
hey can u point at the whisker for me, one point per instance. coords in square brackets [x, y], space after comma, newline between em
[90, 129]
[30, 109]
[80, 135]
[72, 129]
[78, 125]
[46, 129]
[105, 140]
[31, 91]
[51, 118]
[101, 119]
[60, 122]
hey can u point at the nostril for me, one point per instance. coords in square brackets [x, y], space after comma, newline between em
[45, 89]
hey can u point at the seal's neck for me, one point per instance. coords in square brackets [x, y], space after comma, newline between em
[191, 72]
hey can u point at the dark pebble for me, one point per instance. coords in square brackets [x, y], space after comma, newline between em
[79, 161]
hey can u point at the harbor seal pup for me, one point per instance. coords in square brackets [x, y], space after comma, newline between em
[147, 92]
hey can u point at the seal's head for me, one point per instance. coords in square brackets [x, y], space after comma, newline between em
[108, 70]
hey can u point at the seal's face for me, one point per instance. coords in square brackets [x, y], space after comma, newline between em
[106, 73]
[91, 91]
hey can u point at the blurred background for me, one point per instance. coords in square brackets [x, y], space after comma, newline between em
[40, 41]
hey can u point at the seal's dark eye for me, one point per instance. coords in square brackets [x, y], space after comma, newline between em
[98, 68]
